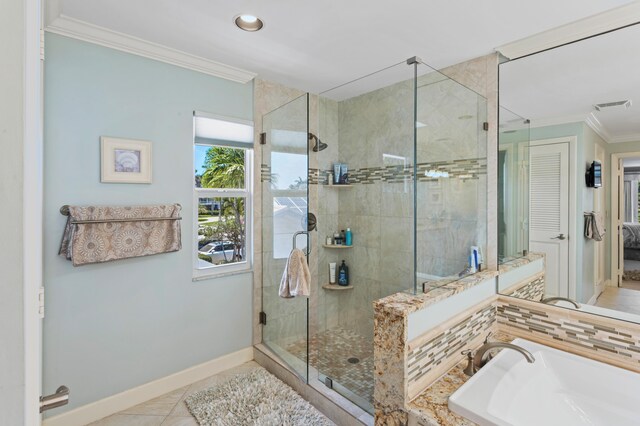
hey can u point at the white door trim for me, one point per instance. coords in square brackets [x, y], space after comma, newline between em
[573, 190]
[600, 247]
[32, 211]
[615, 192]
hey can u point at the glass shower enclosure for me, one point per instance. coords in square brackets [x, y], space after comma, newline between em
[411, 146]
[285, 200]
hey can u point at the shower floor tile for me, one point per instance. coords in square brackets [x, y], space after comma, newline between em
[343, 355]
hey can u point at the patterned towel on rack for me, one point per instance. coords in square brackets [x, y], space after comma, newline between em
[95, 234]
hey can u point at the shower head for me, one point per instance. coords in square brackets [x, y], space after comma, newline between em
[318, 144]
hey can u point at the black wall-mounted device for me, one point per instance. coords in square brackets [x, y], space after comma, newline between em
[594, 175]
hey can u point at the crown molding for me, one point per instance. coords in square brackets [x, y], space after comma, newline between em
[586, 27]
[634, 137]
[553, 121]
[592, 121]
[81, 30]
[588, 119]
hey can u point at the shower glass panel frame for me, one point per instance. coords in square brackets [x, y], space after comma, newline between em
[450, 179]
[415, 145]
[369, 125]
[388, 126]
[285, 199]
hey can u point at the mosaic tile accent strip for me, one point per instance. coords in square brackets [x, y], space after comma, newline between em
[466, 169]
[533, 290]
[427, 356]
[585, 334]
[265, 173]
[431, 408]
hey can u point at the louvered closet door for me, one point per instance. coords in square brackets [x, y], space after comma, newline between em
[549, 213]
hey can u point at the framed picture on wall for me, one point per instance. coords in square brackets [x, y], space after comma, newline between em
[125, 160]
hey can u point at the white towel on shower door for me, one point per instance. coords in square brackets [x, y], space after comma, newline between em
[296, 277]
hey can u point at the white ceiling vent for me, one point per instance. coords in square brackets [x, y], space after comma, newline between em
[610, 105]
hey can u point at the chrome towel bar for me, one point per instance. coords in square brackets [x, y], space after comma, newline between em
[64, 210]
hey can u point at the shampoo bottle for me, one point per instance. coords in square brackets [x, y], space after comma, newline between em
[336, 173]
[343, 275]
[348, 237]
[344, 174]
[332, 273]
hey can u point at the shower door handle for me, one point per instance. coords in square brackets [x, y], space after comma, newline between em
[295, 236]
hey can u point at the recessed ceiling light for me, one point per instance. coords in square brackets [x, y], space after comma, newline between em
[248, 22]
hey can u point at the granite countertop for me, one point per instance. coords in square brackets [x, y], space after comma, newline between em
[404, 303]
[430, 407]
[514, 263]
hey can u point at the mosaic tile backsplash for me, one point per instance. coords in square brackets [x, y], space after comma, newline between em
[533, 290]
[430, 354]
[582, 332]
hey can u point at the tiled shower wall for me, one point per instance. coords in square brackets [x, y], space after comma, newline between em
[367, 132]
[452, 211]
[373, 134]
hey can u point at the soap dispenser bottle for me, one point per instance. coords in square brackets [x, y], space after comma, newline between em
[343, 274]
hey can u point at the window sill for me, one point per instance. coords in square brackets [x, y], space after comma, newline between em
[216, 275]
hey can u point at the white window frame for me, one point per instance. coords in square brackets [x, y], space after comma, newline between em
[247, 193]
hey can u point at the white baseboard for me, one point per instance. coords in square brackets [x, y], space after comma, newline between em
[113, 404]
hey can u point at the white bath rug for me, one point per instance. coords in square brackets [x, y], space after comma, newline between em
[253, 398]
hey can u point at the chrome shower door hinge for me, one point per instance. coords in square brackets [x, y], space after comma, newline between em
[263, 138]
[263, 318]
[485, 126]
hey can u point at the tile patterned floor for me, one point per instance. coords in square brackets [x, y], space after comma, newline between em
[330, 353]
[170, 409]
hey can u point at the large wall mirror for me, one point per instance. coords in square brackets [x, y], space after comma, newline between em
[569, 170]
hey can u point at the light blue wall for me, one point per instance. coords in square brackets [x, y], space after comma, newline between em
[587, 139]
[114, 326]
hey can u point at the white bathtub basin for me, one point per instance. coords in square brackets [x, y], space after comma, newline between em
[557, 389]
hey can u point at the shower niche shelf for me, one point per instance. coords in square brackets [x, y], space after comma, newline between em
[336, 246]
[337, 287]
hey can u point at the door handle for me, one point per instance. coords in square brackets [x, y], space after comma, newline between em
[559, 237]
[58, 399]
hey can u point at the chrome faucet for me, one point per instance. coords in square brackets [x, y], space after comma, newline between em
[477, 361]
[554, 299]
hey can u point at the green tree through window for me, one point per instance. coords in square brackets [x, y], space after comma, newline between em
[224, 168]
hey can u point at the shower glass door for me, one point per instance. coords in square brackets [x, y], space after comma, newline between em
[284, 180]
[368, 126]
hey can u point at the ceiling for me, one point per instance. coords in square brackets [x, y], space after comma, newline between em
[315, 46]
[564, 84]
